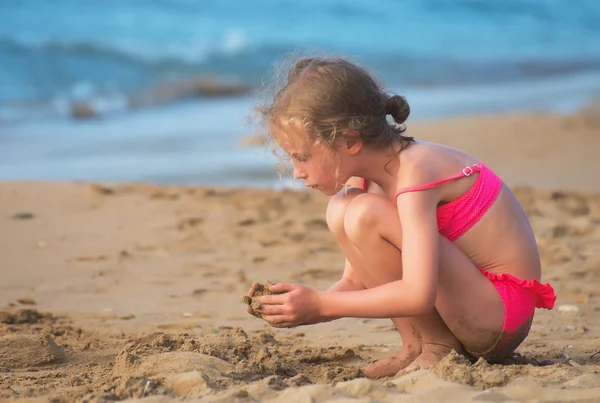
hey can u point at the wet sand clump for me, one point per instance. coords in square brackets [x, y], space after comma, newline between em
[258, 290]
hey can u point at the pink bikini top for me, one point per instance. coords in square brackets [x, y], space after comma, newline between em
[458, 216]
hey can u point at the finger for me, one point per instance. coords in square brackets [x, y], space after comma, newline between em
[253, 312]
[270, 299]
[283, 287]
[253, 289]
[283, 325]
[271, 309]
[277, 320]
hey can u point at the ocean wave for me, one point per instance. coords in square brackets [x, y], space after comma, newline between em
[238, 57]
[84, 103]
[192, 53]
[565, 93]
[96, 59]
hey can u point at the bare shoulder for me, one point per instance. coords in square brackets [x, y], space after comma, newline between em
[417, 168]
[419, 164]
[423, 162]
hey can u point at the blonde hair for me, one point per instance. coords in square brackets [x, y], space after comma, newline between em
[329, 96]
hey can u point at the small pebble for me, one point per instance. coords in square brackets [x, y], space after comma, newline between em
[187, 314]
[26, 301]
[24, 215]
[568, 308]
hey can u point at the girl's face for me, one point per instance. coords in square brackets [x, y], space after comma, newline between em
[318, 166]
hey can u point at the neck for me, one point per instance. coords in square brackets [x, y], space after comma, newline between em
[381, 165]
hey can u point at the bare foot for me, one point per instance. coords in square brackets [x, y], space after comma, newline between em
[431, 355]
[390, 366]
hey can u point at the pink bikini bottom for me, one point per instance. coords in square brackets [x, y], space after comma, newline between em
[520, 298]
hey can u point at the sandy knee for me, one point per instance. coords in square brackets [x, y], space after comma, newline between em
[365, 213]
[336, 210]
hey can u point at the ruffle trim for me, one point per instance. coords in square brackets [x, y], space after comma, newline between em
[544, 292]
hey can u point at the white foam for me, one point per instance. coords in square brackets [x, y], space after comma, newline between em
[557, 94]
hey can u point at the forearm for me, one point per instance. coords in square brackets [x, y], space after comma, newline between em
[342, 285]
[391, 300]
[345, 284]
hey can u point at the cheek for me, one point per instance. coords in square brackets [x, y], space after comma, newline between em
[327, 173]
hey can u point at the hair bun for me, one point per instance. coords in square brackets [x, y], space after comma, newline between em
[398, 107]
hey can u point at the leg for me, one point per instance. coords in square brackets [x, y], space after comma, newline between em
[409, 332]
[411, 349]
[377, 262]
[382, 263]
[470, 310]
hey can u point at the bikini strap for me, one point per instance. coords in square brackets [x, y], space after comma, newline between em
[467, 171]
[364, 184]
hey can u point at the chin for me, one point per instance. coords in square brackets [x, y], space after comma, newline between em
[329, 191]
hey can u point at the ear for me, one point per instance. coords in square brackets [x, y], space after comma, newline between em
[352, 142]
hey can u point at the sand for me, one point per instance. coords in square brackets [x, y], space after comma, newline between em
[134, 291]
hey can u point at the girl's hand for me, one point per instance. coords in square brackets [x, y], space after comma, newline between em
[296, 307]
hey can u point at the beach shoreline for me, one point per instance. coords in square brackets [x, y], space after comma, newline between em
[210, 146]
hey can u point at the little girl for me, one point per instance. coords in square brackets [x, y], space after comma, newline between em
[433, 239]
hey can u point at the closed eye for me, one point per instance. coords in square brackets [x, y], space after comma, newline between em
[299, 157]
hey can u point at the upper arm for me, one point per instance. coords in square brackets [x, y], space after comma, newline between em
[420, 240]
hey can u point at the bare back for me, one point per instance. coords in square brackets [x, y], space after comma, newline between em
[502, 241]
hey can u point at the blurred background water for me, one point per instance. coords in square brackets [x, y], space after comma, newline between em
[157, 90]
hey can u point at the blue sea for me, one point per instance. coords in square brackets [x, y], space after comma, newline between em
[447, 57]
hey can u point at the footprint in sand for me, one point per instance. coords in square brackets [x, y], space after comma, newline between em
[188, 223]
[97, 258]
[23, 351]
[101, 190]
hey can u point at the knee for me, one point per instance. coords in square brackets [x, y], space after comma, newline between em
[364, 215]
[337, 208]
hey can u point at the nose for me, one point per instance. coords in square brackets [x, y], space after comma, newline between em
[298, 173]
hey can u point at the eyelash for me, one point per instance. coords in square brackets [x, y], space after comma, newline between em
[300, 158]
